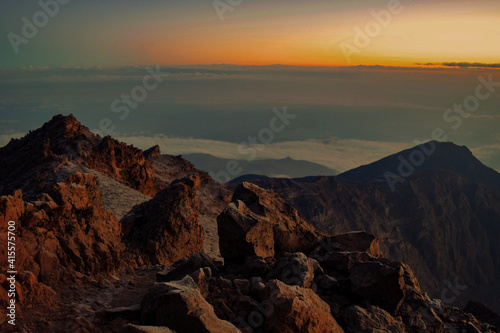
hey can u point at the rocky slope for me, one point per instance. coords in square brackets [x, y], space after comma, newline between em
[430, 156]
[338, 284]
[33, 162]
[82, 270]
[441, 223]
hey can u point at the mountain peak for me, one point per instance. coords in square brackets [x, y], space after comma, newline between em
[427, 157]
[64, 139]
[64, 125]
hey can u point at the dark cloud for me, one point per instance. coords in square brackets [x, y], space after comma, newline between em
[461, 64]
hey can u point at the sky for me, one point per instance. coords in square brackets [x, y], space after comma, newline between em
[253, 32]
[363, 79]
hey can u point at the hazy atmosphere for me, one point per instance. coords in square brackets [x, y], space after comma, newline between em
[345, 116]
[250, 166]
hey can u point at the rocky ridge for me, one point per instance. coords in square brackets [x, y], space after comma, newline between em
[80, 269]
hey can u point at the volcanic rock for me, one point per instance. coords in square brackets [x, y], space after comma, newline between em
[259, 223]
[32, 163]
[370, 320]
[129, 328]
[166, 228]
[296, 309]
[179, 305]
[186, 266]
[72, 233]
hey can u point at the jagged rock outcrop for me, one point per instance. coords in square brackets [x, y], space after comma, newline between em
[29, 292]
[33, 163]
[66, 230]
[259, 223]
[438, 222]
[279, 273]
[166, 228]
[152, 152]
[61, 236]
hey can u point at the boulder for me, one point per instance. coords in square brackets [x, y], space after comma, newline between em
[259, 223]
[180, 306]
[168, 225]
[296, 309]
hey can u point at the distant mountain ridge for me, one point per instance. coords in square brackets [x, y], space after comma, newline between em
[443, 220]
[429, 156]
[285, 167]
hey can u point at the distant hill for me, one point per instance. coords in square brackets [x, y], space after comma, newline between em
[286, 167]
[436, 156]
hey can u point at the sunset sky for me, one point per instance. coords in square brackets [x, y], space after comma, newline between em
[291, 32]
[227, 70]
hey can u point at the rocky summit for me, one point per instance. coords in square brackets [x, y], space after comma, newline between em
[113, 239]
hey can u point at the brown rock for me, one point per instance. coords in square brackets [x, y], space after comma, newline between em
[179, 305]
[152, 152]
[62, 140]
[186, 266]
[370, 320]
[77, 234]
[129, 328]
[296, 309]
[168, 223]
[296, 269]
[355, 242]
[258, 222]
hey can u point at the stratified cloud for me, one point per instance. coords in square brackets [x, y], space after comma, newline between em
[337, 154]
